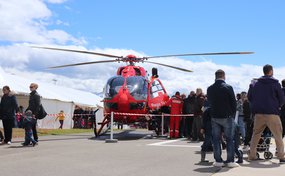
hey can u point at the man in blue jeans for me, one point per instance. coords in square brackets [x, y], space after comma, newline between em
[222, 101]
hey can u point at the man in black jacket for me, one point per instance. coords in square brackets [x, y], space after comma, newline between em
[222, 101]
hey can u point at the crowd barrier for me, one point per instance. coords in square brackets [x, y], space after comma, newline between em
[146, 115]
[53, 116]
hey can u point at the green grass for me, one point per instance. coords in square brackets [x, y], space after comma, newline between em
[20, 133]
[62, 131]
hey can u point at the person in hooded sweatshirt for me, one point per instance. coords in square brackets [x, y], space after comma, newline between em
[266, 98]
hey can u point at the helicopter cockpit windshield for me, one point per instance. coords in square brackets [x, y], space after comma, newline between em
[113, 86]
[137, 86]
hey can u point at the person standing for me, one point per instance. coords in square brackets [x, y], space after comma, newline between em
[8, 108]
[266, 98]
[176, 104]
[60, 117]
[248, 123]
[282, 113]
[188, 109]
[206, 129]
[240, 123]
[197, 122]
[77, 116]
[34, 106]
[182, 126]
[222, 101]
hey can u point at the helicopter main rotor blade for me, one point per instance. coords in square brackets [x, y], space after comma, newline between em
[200, 54]
[82, 63]
[178, 68]
[77, 51]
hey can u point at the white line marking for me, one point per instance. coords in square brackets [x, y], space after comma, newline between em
[187, 146]
[167, 144]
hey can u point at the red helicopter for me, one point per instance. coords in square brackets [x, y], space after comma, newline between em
[130, 94]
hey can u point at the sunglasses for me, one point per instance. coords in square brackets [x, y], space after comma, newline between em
[31, 86]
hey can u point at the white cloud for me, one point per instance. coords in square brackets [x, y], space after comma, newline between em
[56, 1]
[27, 21]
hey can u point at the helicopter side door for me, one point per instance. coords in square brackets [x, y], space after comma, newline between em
[157, 94]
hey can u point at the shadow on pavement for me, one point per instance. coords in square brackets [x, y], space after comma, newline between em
[260, 164]
[126, 135]
[209, 169]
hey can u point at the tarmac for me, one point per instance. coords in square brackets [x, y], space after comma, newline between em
[137, 153]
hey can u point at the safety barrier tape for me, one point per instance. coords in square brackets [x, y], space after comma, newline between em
[133, 114]
[55, 115]
[120, 113]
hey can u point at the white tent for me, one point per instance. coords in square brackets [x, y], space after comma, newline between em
[54, 98]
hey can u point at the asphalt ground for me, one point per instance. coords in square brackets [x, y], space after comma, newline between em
[136, 153]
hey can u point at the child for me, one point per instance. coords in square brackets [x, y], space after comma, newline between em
[28, 122]
[60, 117]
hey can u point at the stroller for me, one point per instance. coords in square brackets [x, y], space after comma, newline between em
[264, 144]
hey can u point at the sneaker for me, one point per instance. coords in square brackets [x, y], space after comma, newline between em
[24, 144]
[232, 165]
[9, 143]
[282, 161]
[239, 161]
[205, 161]
[240, 157]
[218, 164]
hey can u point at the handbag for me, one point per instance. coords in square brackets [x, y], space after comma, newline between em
[41, 113]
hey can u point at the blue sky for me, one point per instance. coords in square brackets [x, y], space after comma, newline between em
[143, 28]
[169, 27]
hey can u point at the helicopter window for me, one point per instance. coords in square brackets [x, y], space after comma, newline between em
[113, 86]
[137, 86]
[156, 89]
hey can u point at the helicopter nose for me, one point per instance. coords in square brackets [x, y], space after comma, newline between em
[123, 100]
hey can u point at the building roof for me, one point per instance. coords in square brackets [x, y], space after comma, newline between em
[20, 85]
